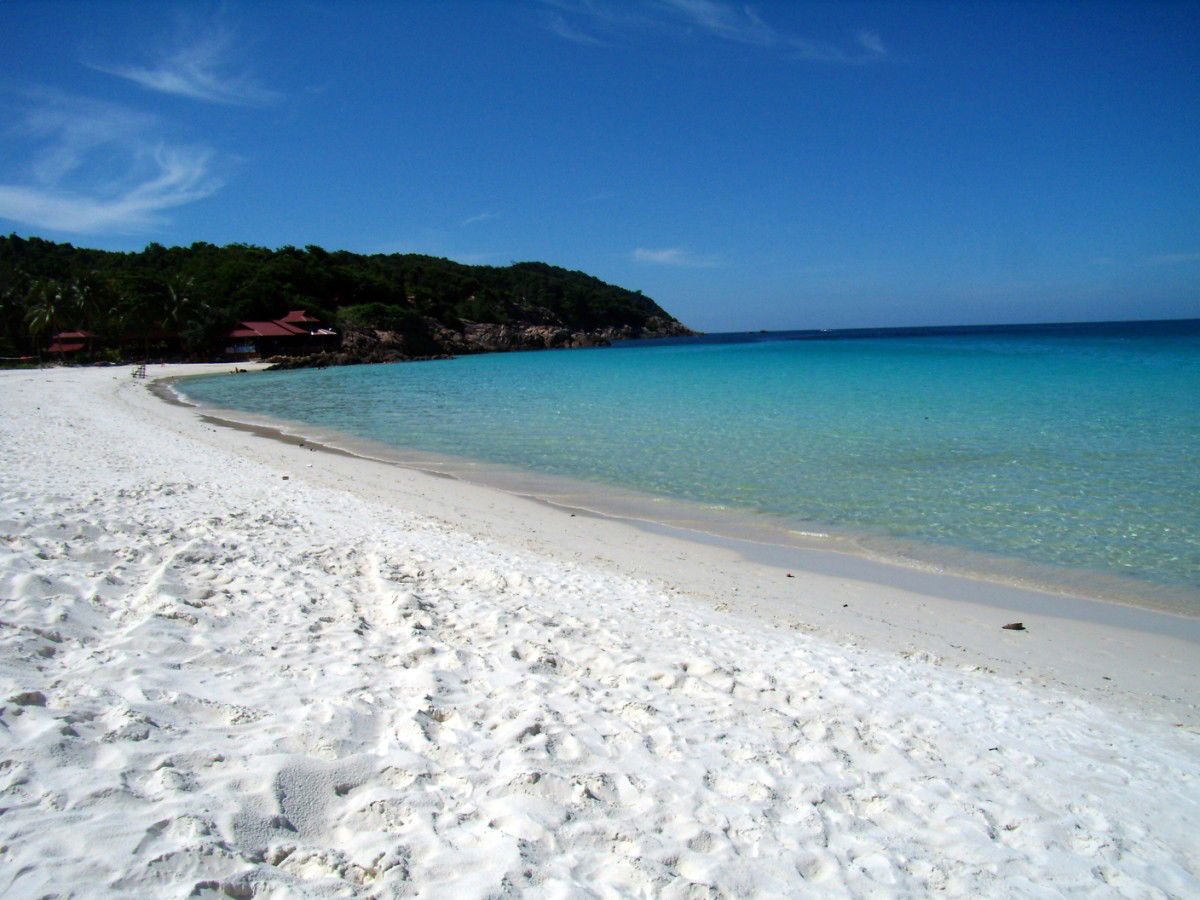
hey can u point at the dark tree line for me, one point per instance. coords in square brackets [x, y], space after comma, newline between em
[183, 300]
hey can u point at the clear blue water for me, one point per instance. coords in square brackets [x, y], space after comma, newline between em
[1073, 447]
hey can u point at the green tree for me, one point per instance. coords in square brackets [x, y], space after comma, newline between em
[200, 291]
[89, 302]
[14, 334]
[44, 308]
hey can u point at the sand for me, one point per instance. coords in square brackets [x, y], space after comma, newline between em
[234, 665]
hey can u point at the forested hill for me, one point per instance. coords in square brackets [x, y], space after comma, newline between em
[198, 293]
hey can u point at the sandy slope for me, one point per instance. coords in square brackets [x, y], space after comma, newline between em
[224, 671]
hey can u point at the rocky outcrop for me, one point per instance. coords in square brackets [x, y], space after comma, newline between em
[655, 327]
[429, 339]
[483, 337]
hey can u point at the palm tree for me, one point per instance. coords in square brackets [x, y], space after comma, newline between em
[138, 311]
[14, 286]
[43, 307]
[86, 294]
[177, 303]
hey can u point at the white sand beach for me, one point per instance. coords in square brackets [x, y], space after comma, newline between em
[233, 665]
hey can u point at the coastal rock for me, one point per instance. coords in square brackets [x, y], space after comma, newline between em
[426, 338]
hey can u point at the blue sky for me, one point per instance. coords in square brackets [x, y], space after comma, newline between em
[777, 165]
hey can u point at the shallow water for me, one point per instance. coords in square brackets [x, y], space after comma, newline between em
[1073, 449]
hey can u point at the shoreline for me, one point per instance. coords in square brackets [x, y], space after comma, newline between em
[966, 483]
[235, 665]
[1107, 651]
[953, 573]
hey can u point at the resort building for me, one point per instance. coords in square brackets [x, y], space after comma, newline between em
[295, 333]
[69, 343]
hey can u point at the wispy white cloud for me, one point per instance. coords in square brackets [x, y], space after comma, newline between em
[1171, 259]
[179, 179]
[594, 22]
[481, 217]
[82, 166]
[69, 128]
[490, 258]
[740, 24]
[715, 18]
[441, 242]
[744, 26]
[202, 68]
[566, 31]
[673, 256]
[872, 43]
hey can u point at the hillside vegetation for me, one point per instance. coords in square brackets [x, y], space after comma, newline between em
[183, 300]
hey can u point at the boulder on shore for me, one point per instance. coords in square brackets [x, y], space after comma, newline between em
[430, 339]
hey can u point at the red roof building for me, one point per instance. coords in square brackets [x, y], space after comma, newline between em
[299, 317]
[278, 328]
[297, 332]
[70, 341]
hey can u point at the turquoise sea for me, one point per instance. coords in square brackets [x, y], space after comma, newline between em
[1066, 456]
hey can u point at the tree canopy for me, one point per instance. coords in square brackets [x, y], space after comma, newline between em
[195, 294]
